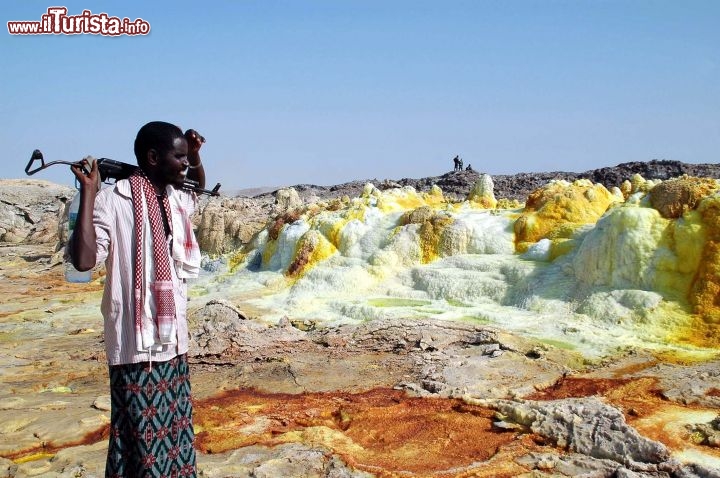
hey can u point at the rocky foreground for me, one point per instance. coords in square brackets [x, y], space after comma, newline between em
[390, 397]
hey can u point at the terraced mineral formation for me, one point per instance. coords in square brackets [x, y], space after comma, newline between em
[575, 252]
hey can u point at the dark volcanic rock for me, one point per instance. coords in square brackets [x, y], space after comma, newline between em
[457, 184]
[655, 169]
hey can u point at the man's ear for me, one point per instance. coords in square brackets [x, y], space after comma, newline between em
[152, 157]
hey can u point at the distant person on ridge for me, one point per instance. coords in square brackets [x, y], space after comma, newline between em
[141, 228]
[456, 160]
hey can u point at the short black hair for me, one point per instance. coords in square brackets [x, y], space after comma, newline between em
[157, 135]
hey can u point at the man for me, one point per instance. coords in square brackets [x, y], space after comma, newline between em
[140, 227]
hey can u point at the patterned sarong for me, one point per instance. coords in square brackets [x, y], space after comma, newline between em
[151, 431]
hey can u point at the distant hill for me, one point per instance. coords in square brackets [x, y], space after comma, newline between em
[517, 186]
[251, 192]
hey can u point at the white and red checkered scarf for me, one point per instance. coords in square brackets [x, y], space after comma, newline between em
[146, 207]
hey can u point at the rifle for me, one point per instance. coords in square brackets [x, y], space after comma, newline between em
[112, 170]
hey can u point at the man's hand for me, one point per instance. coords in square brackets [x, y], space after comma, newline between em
[194, 140]
[196, 171]
[87, 181]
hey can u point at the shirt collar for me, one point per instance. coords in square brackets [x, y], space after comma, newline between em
[123, 187]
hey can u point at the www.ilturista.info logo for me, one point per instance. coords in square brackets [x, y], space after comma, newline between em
[57, 22]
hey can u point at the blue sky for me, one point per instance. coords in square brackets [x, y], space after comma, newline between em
[327, 91]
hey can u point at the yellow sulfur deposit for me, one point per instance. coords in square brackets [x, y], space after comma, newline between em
[430, 236]
[432, 224]
[402, 199]
[331, 223]
[312, 248]
[269, 251]
[558, 209]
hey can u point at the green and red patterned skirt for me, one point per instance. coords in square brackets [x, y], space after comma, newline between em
[151, 431]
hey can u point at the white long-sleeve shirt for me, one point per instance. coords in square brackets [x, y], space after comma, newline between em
[115, 231]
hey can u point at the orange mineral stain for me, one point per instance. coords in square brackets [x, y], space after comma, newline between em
[49, 449]
[382, 431]
[576, 387]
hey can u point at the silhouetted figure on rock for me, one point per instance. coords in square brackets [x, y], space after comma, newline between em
[457, 162]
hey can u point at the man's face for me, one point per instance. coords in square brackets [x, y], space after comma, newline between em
[172, 167]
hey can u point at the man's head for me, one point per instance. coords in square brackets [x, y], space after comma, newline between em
[161, 151]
